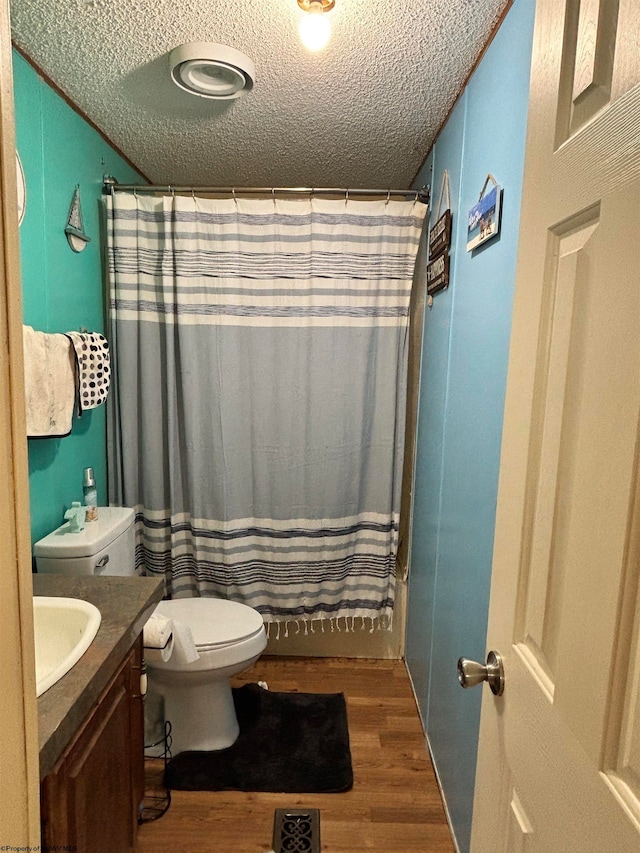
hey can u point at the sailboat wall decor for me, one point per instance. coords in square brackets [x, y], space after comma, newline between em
[74, 228]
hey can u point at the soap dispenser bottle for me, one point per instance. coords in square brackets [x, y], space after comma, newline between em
[90, 495]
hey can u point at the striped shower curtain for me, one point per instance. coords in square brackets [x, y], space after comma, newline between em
[257, 415]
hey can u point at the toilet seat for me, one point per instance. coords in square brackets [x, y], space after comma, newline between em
[214, 622]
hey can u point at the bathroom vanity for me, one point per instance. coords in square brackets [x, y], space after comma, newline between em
[91, 722]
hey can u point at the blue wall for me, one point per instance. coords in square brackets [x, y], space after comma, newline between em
[464, 365]
[61, 290]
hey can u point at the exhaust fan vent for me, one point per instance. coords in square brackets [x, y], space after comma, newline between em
[212, 70]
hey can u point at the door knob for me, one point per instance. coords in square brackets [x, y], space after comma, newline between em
[470, 673]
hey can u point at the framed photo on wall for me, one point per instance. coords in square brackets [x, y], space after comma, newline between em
[484, 217]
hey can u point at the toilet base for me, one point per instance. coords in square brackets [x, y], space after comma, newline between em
[191, 711]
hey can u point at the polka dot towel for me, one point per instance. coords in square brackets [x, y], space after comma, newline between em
[93, 368]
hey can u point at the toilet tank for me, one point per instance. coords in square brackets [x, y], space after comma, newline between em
[104, 547]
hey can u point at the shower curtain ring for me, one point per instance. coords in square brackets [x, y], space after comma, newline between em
[233, 193]
[346, 197]
[273, 195]
[388, 197]
[172, 191]
[193, 194]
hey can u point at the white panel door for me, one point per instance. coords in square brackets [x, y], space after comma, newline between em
[559, 761]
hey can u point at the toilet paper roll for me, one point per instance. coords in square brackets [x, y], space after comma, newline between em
[158, 634]
[184, 649]
[167, 650]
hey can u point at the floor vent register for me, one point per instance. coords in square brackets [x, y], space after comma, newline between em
[296, 831]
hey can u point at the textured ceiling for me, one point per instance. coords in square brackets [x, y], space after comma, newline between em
[361, 113]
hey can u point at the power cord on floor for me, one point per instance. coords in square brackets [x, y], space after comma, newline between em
[155, 805]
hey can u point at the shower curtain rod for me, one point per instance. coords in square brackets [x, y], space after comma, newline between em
[110, 185]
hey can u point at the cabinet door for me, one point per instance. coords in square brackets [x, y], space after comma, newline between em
[91, 799]
[99, 778]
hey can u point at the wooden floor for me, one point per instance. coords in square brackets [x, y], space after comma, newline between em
[394, 805]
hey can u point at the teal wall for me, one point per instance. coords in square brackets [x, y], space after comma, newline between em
[464, 365]
[61, 290]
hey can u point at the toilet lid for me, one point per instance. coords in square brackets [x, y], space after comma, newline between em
[213, 621]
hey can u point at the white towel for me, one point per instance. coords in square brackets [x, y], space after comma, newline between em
[49, 378]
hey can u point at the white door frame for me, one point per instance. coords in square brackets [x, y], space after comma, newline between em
[19, 787]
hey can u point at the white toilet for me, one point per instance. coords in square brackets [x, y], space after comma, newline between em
[229, 637]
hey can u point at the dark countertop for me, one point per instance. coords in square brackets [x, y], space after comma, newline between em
[125, 604]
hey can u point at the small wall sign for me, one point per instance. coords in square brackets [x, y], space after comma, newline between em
[439, 244]
[484, 217]
[440, 235]
[438, 274]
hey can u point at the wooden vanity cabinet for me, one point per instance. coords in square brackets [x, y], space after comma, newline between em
[90, 800]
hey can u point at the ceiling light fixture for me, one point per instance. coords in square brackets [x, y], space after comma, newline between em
[315, 28]
[212, 70]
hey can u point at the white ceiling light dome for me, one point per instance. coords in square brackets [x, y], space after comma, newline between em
[212, 70]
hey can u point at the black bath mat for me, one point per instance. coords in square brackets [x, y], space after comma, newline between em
[293, 743]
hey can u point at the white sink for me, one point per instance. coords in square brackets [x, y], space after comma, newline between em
[64, 629]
